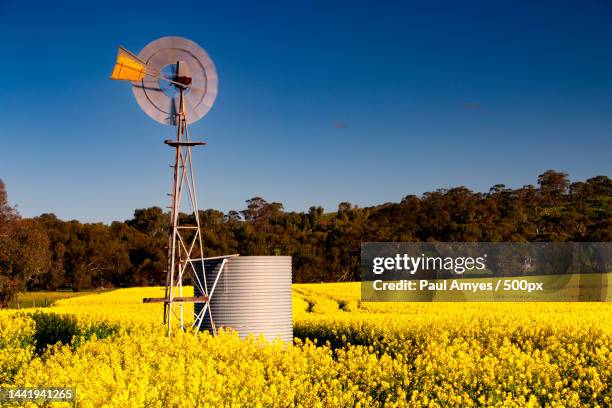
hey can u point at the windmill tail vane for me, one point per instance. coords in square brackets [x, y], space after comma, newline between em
[128, 67]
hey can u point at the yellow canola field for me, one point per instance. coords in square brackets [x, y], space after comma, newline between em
[346, 353]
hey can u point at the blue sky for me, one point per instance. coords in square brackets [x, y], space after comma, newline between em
[319, 102]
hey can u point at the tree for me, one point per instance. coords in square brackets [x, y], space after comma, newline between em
[24, 250]
[151, 221]
[30, 257]
[8, 289]
[254, 206]
[7, 213]
[233, 215]
[9, 285]
[553, 182]
[314, 215]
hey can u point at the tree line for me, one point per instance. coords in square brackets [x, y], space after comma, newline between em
[48, 253]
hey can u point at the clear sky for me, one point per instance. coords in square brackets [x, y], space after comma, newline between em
[319, 102]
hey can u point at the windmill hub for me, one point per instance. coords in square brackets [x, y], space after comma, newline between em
[179, 79]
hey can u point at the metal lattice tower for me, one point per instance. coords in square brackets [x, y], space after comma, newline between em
[181, 244]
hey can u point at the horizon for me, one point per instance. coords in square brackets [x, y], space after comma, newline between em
[305, 210]
[318, 103]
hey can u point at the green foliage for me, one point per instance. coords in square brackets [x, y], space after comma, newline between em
[99, 330]
[24, 250]
[52, 328]
[8, 290]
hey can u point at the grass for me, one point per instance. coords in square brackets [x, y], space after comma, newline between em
[43, 298]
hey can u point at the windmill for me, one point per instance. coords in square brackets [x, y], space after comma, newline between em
[175, 82]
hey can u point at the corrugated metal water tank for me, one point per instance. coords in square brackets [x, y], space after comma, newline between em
[253, 295]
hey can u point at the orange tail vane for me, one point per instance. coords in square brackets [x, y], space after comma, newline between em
[128, 67]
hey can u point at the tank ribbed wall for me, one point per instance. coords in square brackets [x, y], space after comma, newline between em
[253, 295]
